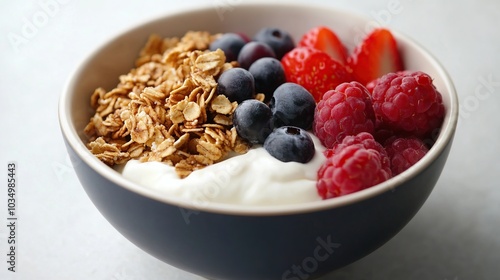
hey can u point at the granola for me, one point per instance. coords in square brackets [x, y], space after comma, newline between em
[166, 108]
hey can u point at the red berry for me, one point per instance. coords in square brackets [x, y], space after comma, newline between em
[324, 39]
[376, 56]
[357, 163]
[347, 110]
[404, 152]
[314, 70]
[381, 133]
[366, 140]
[371, 85]
[408, 102]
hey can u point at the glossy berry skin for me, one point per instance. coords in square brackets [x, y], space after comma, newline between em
[292, 105]
[404, 152]
[375, 56]
[315, 70]
[371, 85]
[253, 121]
[252, 51]
[237, 84]
[324, 39]
[408, 102]
[244, 36]
[357, 163]
[230, 44]
[364, 139]
[268, 75]
[347, 110]
[289, 143]
[279, 40]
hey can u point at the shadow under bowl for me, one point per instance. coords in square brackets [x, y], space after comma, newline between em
[221, 241]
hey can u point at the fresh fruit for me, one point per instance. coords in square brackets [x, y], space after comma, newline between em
[237, 84]
[371, 85]
[376, 56]
[382, 134]
[253, 121]
[314, 69]
[357, 163]
[279, 40]
[404, 152]
[292, 105]
[289, 143]
[408, 102]
[324, 39]
[252, 51]
[367, 141]
[268, 75]
[244, 36]
[346, 110]
[230, 44]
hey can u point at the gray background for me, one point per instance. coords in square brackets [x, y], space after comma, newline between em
[61, 235]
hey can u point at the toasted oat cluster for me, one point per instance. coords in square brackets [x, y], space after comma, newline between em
[166, 108]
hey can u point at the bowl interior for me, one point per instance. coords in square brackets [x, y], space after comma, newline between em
[115, 57]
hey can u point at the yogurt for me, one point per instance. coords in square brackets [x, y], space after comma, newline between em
[254, 178]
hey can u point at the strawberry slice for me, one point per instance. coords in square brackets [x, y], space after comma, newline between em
[315, 70]
[324, 39]
[376, 56]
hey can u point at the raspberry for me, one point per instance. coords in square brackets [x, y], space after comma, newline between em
[404, 152]
[347, 110]
[371, 85]
[408, 102]
[357, 163]
[366, 140]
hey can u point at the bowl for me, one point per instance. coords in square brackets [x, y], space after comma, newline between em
[220, 241]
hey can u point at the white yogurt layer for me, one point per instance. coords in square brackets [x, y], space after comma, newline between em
[254, 178]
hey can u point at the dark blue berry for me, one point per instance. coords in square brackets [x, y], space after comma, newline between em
[230, 44]
[237, 84]
[252, 51]
[290, 143]
[292, 105]
[253, 121]
[268, 74]
[279, 40]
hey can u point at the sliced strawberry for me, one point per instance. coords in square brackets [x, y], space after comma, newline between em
[376, 56]
[315, 70]
[324, 39]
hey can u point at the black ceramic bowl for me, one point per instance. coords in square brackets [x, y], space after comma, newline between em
[220, 241]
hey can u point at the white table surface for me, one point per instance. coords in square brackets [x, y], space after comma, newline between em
[61, 235]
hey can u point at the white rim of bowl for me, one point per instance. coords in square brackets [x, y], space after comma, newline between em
[446, 135]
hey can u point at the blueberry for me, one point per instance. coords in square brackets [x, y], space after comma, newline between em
[230, 44]
[290, 143]
[252, 51]
[268, 74]
[279, 40]
[253, 121]
[237, 84]
[293, 105]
